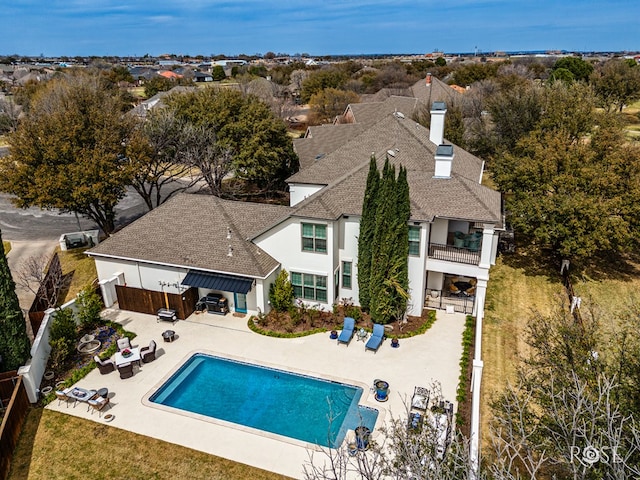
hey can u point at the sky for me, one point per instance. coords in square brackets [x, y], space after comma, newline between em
[321, 27]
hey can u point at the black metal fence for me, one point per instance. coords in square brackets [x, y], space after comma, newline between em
[450, 253]
[460, 304]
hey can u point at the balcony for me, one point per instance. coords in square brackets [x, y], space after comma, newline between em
[451, 253]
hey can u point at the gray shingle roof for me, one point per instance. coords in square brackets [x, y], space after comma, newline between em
[437, 92]
[345, 171]
[369, 113]
[190, 231]
[410, 141]
[323, 139]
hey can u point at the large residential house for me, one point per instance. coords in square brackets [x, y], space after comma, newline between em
[194, 244]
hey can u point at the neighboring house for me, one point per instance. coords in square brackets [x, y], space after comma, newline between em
[171, 75]
[200, 77]
[193, 244]
[152, 102]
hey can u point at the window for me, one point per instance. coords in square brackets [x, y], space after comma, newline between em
[309, 286]
[414, 240]
[346, 274]
[314, 238]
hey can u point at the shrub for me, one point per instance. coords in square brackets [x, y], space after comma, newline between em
[61, 350]
[353, 312]
[89, 307]
[281, 292]
[63, 326]
[296, 315]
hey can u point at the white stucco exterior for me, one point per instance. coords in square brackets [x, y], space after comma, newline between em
[299, 191]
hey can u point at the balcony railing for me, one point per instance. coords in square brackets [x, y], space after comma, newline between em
[450, 253]
[440, 300]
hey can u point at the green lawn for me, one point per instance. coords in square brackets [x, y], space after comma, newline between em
[55, 445]
[79, 268]
[519, 285]
[6, 246]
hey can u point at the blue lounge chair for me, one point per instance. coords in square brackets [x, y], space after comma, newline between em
[347, 330]
[376, 337]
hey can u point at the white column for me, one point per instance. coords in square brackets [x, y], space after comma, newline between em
[474, 447]
[487, 245]
[476, 379]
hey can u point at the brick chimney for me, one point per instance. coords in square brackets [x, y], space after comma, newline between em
[444, 160]
[436, 131]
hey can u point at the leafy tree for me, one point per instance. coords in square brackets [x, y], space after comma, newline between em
[156, 159]
[217, 72]
[330, 102]
[281, 293]
[579, 68]
[616, 83]
[9, 115]
[119, 74]
[157, 84]
[89, 307]
[562, 75]
[319, 80]
[474, 72]
[441, 62]
[514, 113]
[246, 131]
[367, 231]
[62, 336]
[14, 343]
[66, 154]
[574, 182]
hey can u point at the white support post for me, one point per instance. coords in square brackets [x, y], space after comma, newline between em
[487, 245]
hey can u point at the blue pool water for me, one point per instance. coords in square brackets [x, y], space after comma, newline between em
[276, 401]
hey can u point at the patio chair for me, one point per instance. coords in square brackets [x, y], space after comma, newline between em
[148, 354]
[420, 399]
[126, 370]
[347, 330]
[376, 338]
[63, 397]
[99, 404]
[123, 343]
[105, 366]
[415, 421]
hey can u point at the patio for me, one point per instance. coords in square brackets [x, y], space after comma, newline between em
[418, 361]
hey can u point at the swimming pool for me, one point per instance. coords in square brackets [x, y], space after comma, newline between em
[297, 406]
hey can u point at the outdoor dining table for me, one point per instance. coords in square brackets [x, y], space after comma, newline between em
[80, 394]
[134, 357]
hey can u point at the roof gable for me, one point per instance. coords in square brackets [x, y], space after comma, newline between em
[198, 231]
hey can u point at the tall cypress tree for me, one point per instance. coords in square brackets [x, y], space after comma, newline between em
[14, 343]
[367, 229]
[384, 243]
[399, 276]
[383, 246]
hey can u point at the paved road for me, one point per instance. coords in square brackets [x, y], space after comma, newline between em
[34, 232]
[37, 224]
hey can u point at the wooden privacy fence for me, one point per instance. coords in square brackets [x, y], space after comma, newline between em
[48, 291]
[15, 411]
[149, 301]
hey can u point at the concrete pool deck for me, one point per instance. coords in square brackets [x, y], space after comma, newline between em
[418, 361]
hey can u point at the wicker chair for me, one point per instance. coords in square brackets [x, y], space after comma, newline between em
[123, 343]
[126, 370]
[63, 397]
[148, 354]
[98, 404]
[105, 366]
